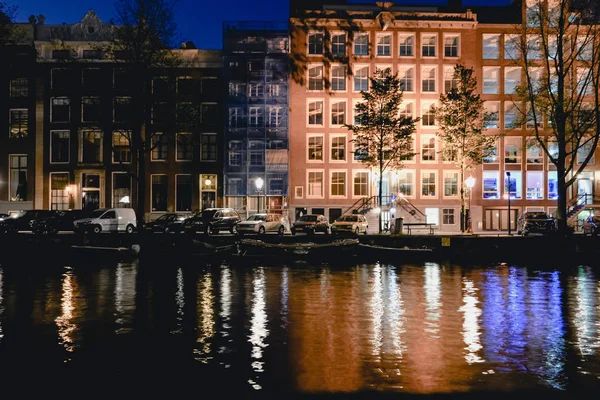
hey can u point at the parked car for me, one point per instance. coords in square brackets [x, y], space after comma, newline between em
[261, 224]
[535, 222]
[23, 220]
[2, 216]
[61, 221]
[311, 223]
[107, 220]
[591, 225]
[167, 223]
[212, 220]
[354, 223]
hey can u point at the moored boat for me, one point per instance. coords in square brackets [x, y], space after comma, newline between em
[377, 252]
[335, 248]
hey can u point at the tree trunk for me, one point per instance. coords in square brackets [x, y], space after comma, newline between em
[561, 210]
[463, 218]
[380, 194]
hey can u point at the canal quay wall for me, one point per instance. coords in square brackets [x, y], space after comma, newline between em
[460, 248]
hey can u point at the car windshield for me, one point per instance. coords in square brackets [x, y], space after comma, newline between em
[164, 217]
[537, 215]
[208, 214]
[308, 218]
[96, 213]
[257, 217]
[348, 218]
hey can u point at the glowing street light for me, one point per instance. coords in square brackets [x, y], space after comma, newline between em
[259, 184]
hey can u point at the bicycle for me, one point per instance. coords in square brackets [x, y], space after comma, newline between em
[388, 227]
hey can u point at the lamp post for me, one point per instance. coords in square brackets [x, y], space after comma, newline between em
[470, 183]
[508, 177]
[259, 184]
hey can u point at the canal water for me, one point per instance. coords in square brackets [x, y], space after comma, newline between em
[302, 329]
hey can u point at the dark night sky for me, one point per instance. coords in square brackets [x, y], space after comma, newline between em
[198, 20]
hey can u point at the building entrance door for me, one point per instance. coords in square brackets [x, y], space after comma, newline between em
[497, 219]
[91, 200]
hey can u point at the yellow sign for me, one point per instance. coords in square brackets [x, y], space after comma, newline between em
[445, 242]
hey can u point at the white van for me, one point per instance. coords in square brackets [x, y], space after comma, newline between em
[107, 220]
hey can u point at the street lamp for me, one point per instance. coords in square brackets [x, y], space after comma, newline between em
[259, 184]
[508, 177]
[470, 183]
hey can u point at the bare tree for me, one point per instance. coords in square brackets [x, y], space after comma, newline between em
[559, 99]
[461, 119]
[382, 136]
[143, 34]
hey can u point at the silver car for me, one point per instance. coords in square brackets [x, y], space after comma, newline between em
[354, 223]
[261, 224]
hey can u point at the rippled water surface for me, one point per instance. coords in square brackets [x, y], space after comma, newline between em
[305, 329]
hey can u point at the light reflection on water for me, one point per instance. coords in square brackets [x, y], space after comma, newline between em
[313, 328]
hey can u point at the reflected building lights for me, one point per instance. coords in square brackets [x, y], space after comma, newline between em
[432, 298]
[225, 299]
[206, 319]
[397, 318]
[179, 302]
[63, 322]
[258, 326]
[1, 304]
[586, 320]
[285, 296]
[377, 311]
[471, 313]
[125, 290]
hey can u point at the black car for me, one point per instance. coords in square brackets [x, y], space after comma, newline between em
[535, 222]
[23, 220]
[213, 220]
[311, 223]
[167, 223]
[61, 221]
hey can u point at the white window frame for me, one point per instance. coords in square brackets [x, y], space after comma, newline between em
[337, 79]
[426, 138]
[426, 72]
[532, 190]
[177, 147]
[51, 107]
[436, 184]
[435, 44]
[426, 105]
[379, 36]
[402, 37]
[112, 187]
[403, 70]
[308, 114]
[491, 108]
[314, 33]
[355, 173]
[52, 143]
[448, 213]
[308, 78]
[82, 133]
[345, 45]
[368, 45]
[315, 171]
[509, 143]
[364, 78]
[315, 135]
[333, 103]
[408, 173]
[458, 44]
[65, 192]
[448, 77]
[449, 173]
[499, 188]
[331, 148]
[491, 84]
[490, 54]
[345, 174]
